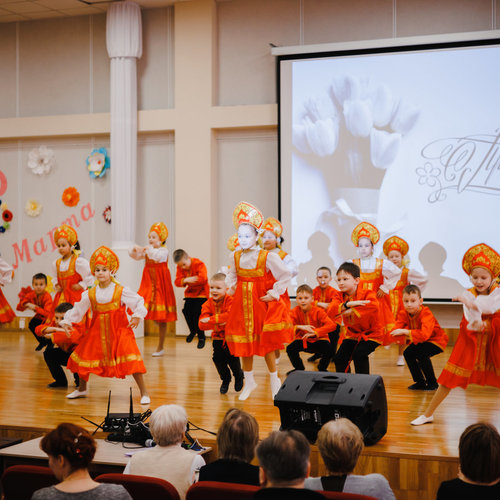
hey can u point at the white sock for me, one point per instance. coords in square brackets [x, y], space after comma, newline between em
[249, 378]
[274, 375]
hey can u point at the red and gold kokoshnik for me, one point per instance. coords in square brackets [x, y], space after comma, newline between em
[274, 225]
[160, 229]
[365, 230]
[66, 232]
[395, 243]
[484, 256]
[104, 256]
[245, 213]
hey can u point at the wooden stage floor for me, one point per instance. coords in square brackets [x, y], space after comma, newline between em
[414, 458]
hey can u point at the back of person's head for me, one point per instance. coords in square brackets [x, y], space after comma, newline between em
[168, 424]
[179, 254]
[63, 307]
[479, 453]
[284, 456]
[340, 443]
[349, 268]
[237, 436]
[71, 441]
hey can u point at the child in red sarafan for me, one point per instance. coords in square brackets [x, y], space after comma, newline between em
[156, 284]
[423, 336]
[214, 314]
[475, 358]
[38, 300]
[6, 274]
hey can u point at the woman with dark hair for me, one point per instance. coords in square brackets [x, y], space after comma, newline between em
[237, 438]
[71, 449]
[479, 471]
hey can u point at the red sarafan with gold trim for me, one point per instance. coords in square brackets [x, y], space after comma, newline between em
[6, 312]
[66, 280]
[108, 348]
[66, 232]
[395, 243]
[484, 256]
[104, 256]
[255, 327]
[365, 230]
[161, 230]
[245, 213]
[274, 225]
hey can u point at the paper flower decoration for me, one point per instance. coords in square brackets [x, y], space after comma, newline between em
[33, 208]
[107, 214]
[98, 163]
[41, 160]
[7, 216]
[71, 197]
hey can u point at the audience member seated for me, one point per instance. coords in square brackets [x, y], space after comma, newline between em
[479, 472]
[284, 465]
[167, 460]
[340, 444]
[237, 438]
[71, 449]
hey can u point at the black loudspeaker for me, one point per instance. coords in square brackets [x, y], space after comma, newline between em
[307, 400]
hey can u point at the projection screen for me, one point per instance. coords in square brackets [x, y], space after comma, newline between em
[405, 137]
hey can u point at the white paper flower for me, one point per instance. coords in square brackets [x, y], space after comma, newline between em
[358, 117]
[41, 160]
[33, 208]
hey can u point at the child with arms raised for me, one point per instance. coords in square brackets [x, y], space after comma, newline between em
[156, 284]
[475, 358]
[214, 314]
[108, 347]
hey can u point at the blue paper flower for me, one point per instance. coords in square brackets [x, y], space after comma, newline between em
[98, 163]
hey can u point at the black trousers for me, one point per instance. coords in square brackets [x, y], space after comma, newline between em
[34, 322]
[322, 347]
[356, 351]
[192, 311]
[225, 362]
[417, 358]
[55, 359]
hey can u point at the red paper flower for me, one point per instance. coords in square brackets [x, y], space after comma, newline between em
[7, 215]
[71, 197]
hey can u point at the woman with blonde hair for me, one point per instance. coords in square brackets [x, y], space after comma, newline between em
[340, 444]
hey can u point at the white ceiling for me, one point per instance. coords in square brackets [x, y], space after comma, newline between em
[26, 10]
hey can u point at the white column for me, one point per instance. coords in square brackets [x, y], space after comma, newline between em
[124, 44]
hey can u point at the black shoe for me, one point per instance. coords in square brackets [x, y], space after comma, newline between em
[55, 384]
[201, 343]
[190, 337]
[238, 382]
[313, 358]
[431, 387]
[40, 346]
[224, 387]
[417, 386]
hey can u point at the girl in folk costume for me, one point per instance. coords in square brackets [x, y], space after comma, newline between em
[108, 347]
[396, 249]
[259, 321]
[6, 275]
[271, 241]
[156, 284]
[378, 275]
[475, 358]
[73, 272]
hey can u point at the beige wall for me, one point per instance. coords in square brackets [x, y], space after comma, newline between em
[207, 95]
